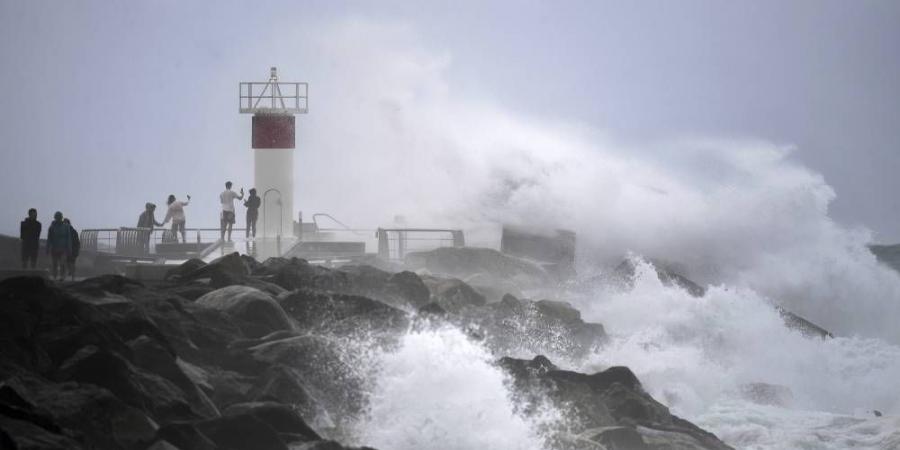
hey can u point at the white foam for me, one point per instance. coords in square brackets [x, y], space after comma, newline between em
[440, 390]
[695, 354]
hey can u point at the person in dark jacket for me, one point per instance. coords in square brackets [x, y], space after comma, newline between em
[252, 203]
[148, 220]
[76, 248]
[30, 233]
[59, 246]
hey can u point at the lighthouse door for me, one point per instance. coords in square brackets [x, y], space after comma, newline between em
[273, 213]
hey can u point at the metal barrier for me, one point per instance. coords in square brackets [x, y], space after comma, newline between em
[397, 242]
[142, 242]
[133, 242]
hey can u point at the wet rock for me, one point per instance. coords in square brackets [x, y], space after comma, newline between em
[298, 273]
[324, 365]
[150, 356]
[190, 291]
[516, 326]
[617, 438]
[143, 390]
[667, 276]
[409, 286]
[241, 432]
[612, 398]
[86, 413]
[453, 295]
[802, 325]
[22, 434]
[256, 313]
[184, 269]
[227, 270]
[341, 314]
[185, 436]
[284, 419]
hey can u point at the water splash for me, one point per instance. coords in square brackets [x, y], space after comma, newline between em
[441, 390]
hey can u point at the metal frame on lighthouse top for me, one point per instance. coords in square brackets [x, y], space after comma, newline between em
[273, 96]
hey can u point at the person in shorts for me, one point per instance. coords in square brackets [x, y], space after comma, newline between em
[227, 198]
[175, 213]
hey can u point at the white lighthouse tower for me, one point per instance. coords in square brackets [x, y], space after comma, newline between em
[273, 104]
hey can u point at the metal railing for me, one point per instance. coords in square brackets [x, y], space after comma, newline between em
[396, 243]
[129, 241]
[275, 97]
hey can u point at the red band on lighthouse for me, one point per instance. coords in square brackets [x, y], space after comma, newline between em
[273, 131]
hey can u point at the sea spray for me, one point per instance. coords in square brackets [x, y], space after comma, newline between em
[441, 390]
[697, 355]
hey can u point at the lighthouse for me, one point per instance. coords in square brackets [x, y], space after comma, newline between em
[274, 105]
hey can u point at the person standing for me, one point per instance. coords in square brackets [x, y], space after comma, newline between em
[176, 214]
[30, 233]
[76, 248]
[147, 219]
[59, 246]
[252, 204]
[227, 198]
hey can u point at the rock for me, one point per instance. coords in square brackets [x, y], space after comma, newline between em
[617, 438]
[612, 398]
[191, 290]
[327, 376]
[241, 432]
[341, 314]
[255, 312]
[162, 445]
[227, 270]
[297, 273]
[282, 418]
[184, 269]
[88, 413]
[185, 436]
[802, 325]
[22, 434]
[150, 356]
[513, 326]
[403, 290]
[409, 286]
[146, 391]
[667, 276]
[453, 295]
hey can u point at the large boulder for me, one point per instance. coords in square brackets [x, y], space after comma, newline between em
[256, 313]
[603, 402]
[83, 412]
[453, 295]
[283, 418]
[342, 314]
[524, 327]
[136, 387]
[326, 367]
[241, 432]
[224, 271]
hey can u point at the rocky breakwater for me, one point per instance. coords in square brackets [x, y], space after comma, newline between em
[238, 354]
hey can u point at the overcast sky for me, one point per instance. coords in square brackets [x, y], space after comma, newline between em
[107, 105]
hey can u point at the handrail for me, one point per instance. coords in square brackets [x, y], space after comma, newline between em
[346, 228]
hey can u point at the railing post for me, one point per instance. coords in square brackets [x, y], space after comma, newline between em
[384, 251]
